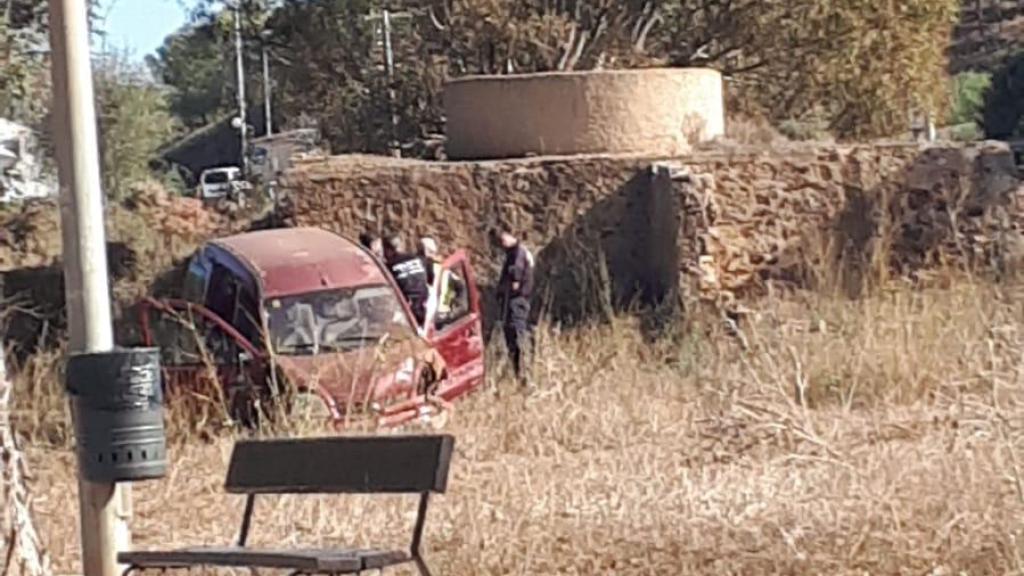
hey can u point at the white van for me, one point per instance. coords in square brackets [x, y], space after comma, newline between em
[217, 183]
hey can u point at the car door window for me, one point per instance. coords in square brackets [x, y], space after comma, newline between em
[173, 333]
[187, 339]
[222, 292]
[195, 280]
[457, 334]
[453, 297]
[247, 316]
[221, 349]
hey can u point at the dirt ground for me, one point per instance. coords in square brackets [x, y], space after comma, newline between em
[829, 437]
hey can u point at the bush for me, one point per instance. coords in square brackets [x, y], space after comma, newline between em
[968, 97]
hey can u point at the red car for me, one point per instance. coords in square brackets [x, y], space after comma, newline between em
[309, 316]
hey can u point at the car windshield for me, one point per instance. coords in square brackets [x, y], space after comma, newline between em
[335, 320]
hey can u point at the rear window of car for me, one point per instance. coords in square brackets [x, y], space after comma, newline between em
[216, 177]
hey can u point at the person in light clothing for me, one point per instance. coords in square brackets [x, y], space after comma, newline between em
[437, 300]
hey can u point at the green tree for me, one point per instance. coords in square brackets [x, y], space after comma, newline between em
[863, 64]
[24, 77]
[193, 61]
[968, 97]
[198, 61]
[134, 121]
[861, 67]
[887, 60]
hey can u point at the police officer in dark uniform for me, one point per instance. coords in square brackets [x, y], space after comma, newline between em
[515, 288]
[412, 274]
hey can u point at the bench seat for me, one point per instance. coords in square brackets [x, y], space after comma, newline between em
[309, 560]
[335, 465]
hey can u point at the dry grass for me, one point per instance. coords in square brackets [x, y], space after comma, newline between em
[876, 436]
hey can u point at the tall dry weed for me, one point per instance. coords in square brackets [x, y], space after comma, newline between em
[881, 435]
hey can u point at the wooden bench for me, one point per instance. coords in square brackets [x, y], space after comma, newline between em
[376, 465]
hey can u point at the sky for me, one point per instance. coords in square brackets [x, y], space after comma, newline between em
[140, 26]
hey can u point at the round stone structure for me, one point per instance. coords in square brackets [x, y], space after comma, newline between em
[660, 111]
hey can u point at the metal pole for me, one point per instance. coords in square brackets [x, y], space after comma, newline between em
[103, 507]
[389, 65]
[243, 129]
[268, 119]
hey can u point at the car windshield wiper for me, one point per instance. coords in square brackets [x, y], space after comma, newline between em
[346, 342]
[361, 337]
[303, 348]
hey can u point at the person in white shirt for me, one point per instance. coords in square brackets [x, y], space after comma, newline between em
[428, 251]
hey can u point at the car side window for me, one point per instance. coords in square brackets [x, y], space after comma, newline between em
[247, 316]
[453, 297]
[188, 339]
[195, 280]
[173, 334]
[222, 292]
[221, 349]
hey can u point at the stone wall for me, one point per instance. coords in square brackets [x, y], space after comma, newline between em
[846, 216]
[721, 223]
[653, 111]
[560, 205]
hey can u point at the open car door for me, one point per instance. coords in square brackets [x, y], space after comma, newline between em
[455, 328]
[206, 362]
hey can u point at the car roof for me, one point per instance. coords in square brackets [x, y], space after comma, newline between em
[289, 261]
[221, 169]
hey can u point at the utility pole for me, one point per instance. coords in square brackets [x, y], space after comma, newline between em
[389, 64]
[268, 119]
[386, 17]
[103, 507]
[243, 126]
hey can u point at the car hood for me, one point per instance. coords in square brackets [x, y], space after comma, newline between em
[373, 374]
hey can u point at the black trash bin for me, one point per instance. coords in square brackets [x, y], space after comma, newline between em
[119, 416]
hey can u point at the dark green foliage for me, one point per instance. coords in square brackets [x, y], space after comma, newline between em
[192, 61]
[969, 89]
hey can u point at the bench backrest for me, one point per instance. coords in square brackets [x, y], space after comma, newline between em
[389, 464]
